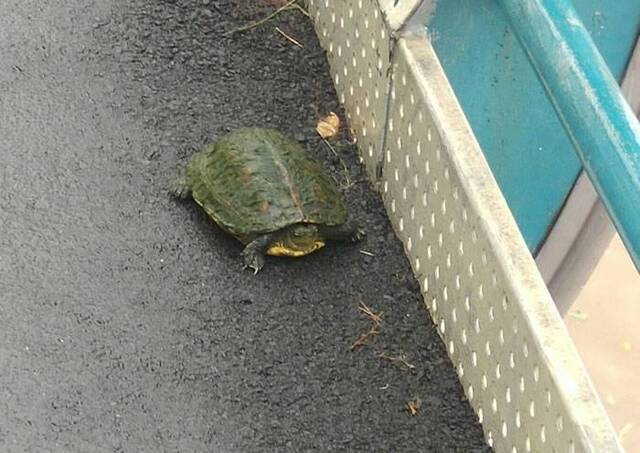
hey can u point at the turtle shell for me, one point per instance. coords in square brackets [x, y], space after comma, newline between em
[254, 181]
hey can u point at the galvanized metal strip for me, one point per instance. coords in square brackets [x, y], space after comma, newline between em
[513, 354]
[514, 357]
[399, 12]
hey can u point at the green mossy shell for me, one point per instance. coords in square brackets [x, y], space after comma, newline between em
[254, 181]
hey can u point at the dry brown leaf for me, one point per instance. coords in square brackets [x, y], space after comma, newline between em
[328, 126]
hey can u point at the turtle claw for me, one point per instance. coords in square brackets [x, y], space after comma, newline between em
[253, 260]
[179, 189]
[357, 235]
[255, 270]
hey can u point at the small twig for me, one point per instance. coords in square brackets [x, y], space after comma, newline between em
[413, 406]
[352, 139]
[299, 8]
[289, 38]
[364, 252]
[353, 183]
[374, 329]
[330, 147]
[398, 360]
[344, 166]
[264, 19]
[376, 318]
[365, 337]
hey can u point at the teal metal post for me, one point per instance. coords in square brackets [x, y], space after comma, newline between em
[603, 129]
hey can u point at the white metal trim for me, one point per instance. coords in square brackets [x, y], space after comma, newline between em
[506, 297]
[399, 13]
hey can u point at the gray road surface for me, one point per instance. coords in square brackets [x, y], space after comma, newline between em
[127, 322]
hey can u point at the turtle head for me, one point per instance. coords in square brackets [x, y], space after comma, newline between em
[297, 240]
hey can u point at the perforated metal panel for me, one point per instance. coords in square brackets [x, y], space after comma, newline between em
[356, 40]
[513, 355]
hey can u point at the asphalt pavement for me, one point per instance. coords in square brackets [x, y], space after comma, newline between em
[127, 322]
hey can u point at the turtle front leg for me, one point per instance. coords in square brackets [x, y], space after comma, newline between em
[179, 188]
[347, 232]
[253, 253]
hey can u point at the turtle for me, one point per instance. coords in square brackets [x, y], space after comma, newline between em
[264, 189]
